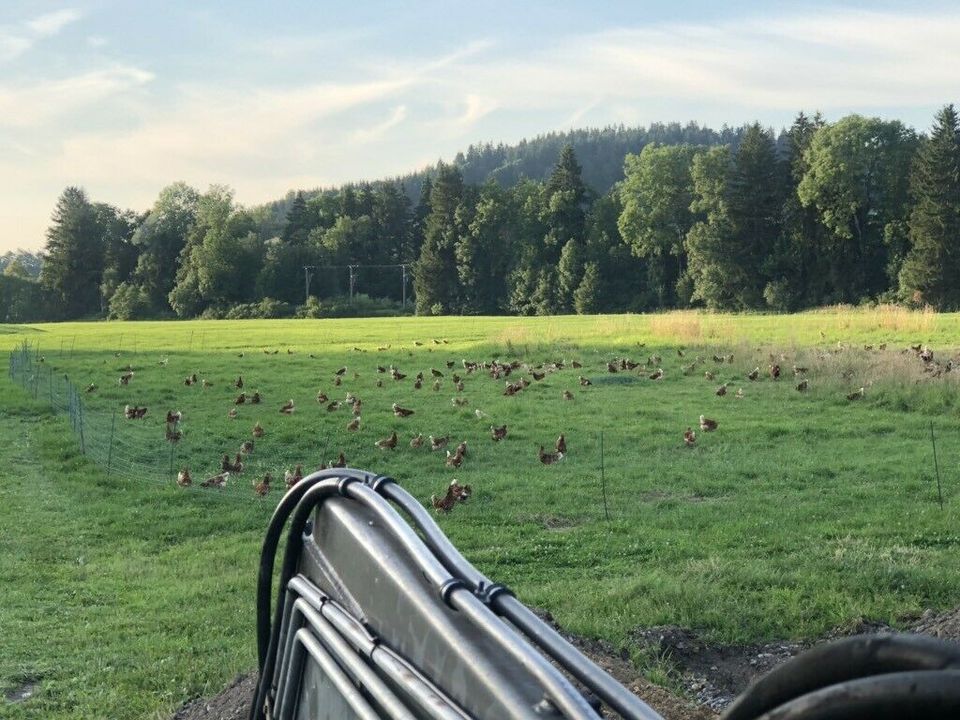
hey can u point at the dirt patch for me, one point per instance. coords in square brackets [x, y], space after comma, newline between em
[618, 664]
[715, 674]
[231, 704]
[712, 674]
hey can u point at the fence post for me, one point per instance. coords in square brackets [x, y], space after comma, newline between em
[83, 445]
[113, 427]
[173, 447]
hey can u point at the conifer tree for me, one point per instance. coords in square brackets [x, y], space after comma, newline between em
[435, 274]
[931, 272]
[73, 259]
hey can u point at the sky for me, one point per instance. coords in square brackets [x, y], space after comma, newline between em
[123, 98]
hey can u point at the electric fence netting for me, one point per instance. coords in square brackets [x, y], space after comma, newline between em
[134, 451]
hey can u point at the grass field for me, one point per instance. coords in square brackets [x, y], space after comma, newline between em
[803, 511]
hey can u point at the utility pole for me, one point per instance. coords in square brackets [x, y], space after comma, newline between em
[352, 281]
[307, 276]
[403, 274]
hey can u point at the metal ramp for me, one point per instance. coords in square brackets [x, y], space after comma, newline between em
[379, 616]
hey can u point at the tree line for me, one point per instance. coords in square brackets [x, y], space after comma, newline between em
[860, 210]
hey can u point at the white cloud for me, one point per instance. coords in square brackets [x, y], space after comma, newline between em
[265, 139]
[30, 105]
[52, 23]
[15, 42]
[12, 46]
[96, 41]
[377, 131]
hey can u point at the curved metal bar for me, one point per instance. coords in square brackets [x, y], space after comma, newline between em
[571, 659]
[560, 691]
[428, 697]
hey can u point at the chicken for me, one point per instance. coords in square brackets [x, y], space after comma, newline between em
[380, 383]
[454, 460]
[444, 504]
[722, 390]
[775, 371]
[322, 397]
[462, 448]
[567, 395]
[549, 458]
[292, 478]
[337, 380]
[206, 383]
[436, 373]
[561, 445]
[438, 443]
[354, 424]
[611, 367]
[584, 382]
[417, 384]
[799, 370]
[173, 416]
[459, 386]
[341, 371]
[689, 437]
[538, 376]
[246, 447]
[258, 430]
[498, 433]
[401, 412]
[263, 487]
[356, 407]
[287, 408]
[183, 478]
[256, 397]
[173, 433]
[238, 383]
[739, 393]
[576, 365]
[388, 443]
[709, 375]
[416, 441]
[340, 462]
[657, 375]
[236, 466]
[754, 374]
[855, 395]
[232, 413]
[91, 388]
[125, 378]
[217, 481]
[240, 399]
[803, 385]
[707, 425]
[333, 406]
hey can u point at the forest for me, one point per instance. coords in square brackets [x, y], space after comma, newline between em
[855, 211]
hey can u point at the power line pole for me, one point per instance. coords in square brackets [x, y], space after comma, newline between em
[403, 271]
[307, 276]
[352, 281]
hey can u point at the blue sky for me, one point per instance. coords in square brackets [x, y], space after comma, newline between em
[123, 98]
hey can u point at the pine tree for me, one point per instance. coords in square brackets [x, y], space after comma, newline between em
[73, 259]
[586, 298]
[566, 198]
[298, 225]
[435, 274]
[931, 272]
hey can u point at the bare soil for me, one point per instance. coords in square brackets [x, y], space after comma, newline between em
[712, 674]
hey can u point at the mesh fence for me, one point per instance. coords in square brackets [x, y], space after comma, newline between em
[133, 451]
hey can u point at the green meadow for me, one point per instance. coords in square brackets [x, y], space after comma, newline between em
[124, 594]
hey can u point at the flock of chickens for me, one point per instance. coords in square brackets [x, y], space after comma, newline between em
[512, 374]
